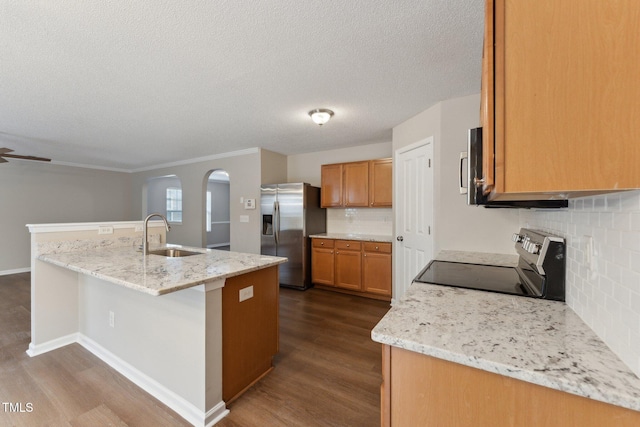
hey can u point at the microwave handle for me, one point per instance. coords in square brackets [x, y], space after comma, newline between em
[463, 155]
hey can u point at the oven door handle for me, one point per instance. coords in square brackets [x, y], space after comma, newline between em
[463, 155]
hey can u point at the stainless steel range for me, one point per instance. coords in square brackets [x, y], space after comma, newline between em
[540, 272]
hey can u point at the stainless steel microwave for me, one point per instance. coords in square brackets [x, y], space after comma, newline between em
[474, 193]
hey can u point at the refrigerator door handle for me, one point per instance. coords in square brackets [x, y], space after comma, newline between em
[276, 221]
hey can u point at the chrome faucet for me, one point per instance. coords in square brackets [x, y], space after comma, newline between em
[145, 243]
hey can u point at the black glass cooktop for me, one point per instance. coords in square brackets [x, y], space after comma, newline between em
[474, 276]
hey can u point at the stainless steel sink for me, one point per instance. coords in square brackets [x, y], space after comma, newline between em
[173, 252]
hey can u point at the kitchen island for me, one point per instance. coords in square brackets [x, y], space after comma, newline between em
[454, 356]
[168, 324]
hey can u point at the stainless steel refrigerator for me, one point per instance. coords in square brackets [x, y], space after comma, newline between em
[290, 213]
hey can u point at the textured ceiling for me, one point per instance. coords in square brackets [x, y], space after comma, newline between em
[132, 84]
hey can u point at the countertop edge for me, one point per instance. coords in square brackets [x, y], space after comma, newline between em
[359, 237]
[183, 284]
[533, 377]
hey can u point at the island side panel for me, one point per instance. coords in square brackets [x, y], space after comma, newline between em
[249, 329]
[54, 307]
[162, 337]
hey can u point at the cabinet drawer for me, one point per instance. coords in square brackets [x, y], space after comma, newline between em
[322, 243]
[377, 247]
[350, 245]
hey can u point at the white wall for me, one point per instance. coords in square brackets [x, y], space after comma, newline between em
[607, 296]
[32, 193]
[456, 225]
[245, 173]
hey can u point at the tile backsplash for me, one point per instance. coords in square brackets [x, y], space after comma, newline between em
[603, 265]
[377, 221]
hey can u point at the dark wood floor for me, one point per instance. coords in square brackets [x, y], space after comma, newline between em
[328, 371]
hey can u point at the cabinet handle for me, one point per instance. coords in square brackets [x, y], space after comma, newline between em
[364, 255]
[321, 243]
[337, 253]
[348, 245]
[377, 248]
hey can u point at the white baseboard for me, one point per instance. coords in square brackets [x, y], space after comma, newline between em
[14, 271]
[35, 350]
[184, 408]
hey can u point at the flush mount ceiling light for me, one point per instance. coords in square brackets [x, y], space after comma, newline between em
[320, 116]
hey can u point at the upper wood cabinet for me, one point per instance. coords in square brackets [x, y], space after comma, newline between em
[357, 184]
[560, 98]
[331, 191]
[380, 183]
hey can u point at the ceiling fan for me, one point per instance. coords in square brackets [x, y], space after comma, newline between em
[4, 153]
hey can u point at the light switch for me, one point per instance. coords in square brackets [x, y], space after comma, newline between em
[246, 293]
[244, 218]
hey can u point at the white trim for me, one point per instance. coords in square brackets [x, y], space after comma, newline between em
[185, 409]
[415, 145]
[164, 165]
[15, 271]
[35, 350]
[200, 159]
[83, 166]
[89, 226]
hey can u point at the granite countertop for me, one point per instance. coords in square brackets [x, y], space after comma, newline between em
[349, 236]
[538, 341]
[158, 275]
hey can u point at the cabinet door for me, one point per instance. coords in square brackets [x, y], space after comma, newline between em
[331, 187]
[566, 97]
[356, 184]
[348, 269]
[376, 273]
[322, 266]
[487, 93]
[380, 183]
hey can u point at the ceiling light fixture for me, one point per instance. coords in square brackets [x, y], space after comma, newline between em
[320, 116]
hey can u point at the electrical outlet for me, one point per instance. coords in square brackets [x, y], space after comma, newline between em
[246, 293]
[112, 319]
[105, 229]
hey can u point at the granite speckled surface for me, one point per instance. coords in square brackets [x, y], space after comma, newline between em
[155, 274]
[349, 236]
[538, 341]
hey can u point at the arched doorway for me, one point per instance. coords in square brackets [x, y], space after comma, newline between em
[217, 218]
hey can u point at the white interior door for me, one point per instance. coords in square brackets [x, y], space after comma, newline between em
[413, 246]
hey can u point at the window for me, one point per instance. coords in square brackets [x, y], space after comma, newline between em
[174, 204]
[208, 210]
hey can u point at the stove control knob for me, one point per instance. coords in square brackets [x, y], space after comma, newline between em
[517, 237]
[534, 248]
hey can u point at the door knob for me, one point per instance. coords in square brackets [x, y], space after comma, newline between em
[399, 238]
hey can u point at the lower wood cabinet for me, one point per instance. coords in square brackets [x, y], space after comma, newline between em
[376, 269]
[361, 268]
[348, 259]
[250, 330]
[419, 390]
[322, 261]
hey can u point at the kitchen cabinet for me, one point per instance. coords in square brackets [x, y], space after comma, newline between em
[376, 268]
[322, 261]
[380, 183]
[250, 337]
[331, 191]
[357, 184]
[560, 99]
[348, 261]
[351, 266]
[420, 390]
